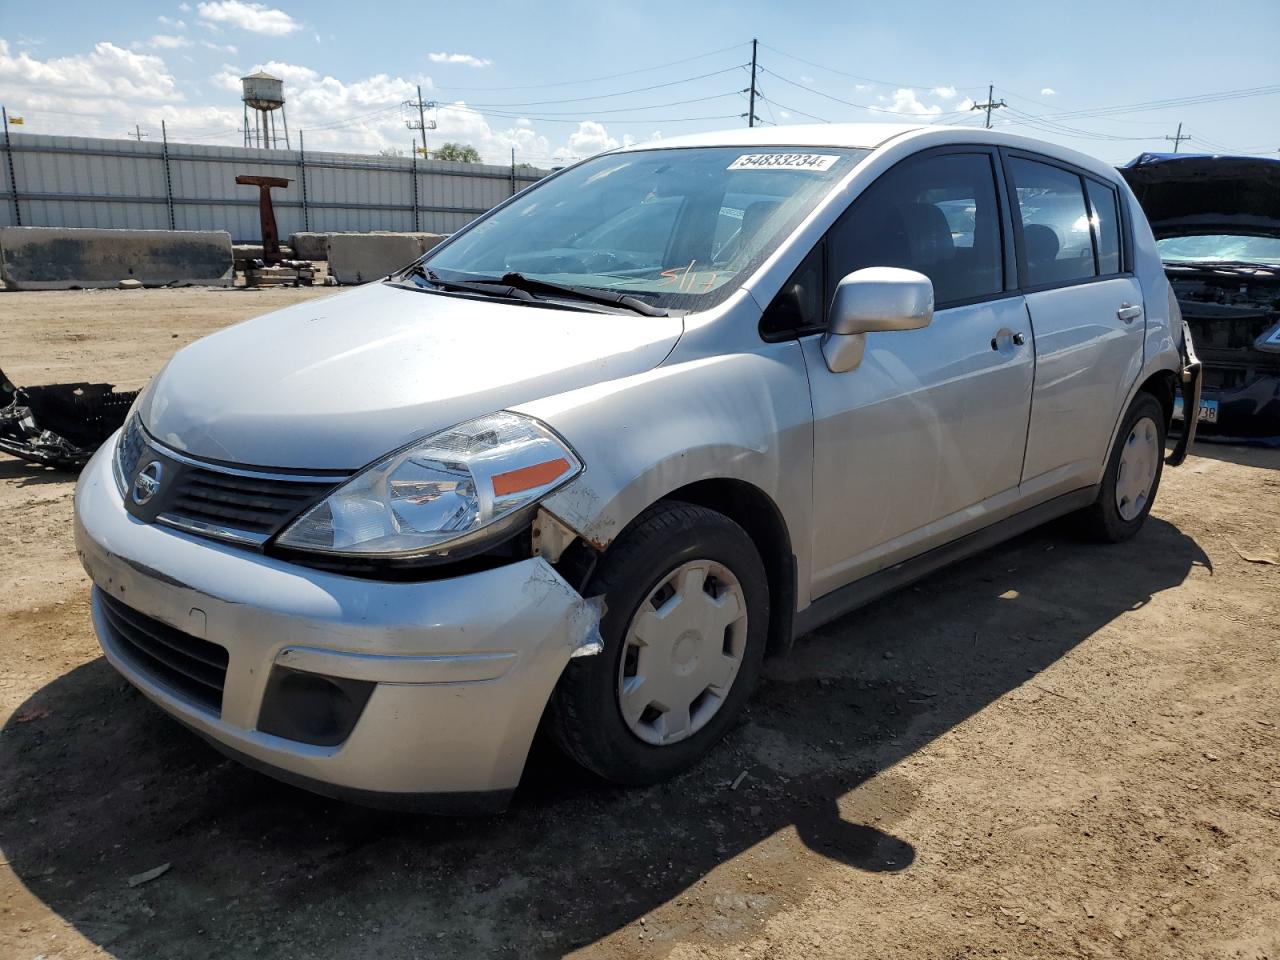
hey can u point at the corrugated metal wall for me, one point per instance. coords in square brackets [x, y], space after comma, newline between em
[83, 182]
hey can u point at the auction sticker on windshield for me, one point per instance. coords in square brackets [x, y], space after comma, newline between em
[817, 162]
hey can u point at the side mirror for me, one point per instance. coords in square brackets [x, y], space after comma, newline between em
[875, 298]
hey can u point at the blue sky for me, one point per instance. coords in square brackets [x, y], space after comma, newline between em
[560, 81]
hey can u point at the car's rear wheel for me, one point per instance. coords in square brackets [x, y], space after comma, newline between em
[1133, 473]
[684, 633]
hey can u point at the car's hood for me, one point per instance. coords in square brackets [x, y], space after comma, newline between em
[1185, 194]
[336, 383]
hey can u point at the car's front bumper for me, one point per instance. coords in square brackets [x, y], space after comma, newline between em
[462, 667]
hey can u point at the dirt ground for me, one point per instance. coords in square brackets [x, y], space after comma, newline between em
[1055, 749]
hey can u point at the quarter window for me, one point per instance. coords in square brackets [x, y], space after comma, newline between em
[1056, 238]
[1105, 216]
[937, 215]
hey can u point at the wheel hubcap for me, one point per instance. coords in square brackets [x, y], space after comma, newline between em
[1139, 459]
[682, 652]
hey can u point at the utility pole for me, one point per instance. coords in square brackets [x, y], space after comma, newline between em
[138, 134]
[423, 123]
[1177, 138]
[991, 104]
[751, 103]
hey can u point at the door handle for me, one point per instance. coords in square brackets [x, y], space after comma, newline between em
[1018, 339]
[1129, 312]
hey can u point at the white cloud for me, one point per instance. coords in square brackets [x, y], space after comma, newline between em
[590, 137]
[905, 101]
[944, 93]
[1048, 92]
[463, 58]
[254, 17]
[164, 41]
[108, 71]
[170, 22]
[184, 7]
[220, 47]
[804, 79]
[105, 90]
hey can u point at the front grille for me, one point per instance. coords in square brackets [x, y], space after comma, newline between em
[194, 668]
[243, 505]
[255, 505]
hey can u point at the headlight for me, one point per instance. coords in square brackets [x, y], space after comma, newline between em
[459, 489]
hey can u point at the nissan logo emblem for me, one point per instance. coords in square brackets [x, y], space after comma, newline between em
[147, 483]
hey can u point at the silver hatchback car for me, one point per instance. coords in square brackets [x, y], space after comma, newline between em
[585, 461]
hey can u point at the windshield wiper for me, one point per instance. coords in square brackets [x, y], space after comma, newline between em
[519, 281]
[519, 287]
[487, 288]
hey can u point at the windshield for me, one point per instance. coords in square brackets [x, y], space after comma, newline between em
[676, 228]
[1219, 247]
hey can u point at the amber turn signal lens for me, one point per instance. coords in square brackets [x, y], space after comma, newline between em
[528, 478]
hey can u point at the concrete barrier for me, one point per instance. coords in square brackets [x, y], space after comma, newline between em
[362, 257]
[57, 258]
[309, 246]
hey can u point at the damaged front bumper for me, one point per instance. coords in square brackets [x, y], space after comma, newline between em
[422, 695]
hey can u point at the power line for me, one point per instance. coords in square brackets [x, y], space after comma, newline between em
[611, 76]
[594, 112]
[783, 106]
[850, 103]
[1052, 126]
[854, 76]
[1191, 100]
[619, 93]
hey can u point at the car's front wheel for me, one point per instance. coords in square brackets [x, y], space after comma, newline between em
[684, 633]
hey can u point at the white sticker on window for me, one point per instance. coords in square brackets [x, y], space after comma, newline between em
[816, 162]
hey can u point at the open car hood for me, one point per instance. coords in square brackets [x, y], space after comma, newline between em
[1190, 194]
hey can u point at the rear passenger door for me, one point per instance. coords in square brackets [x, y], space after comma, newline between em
[1086, 312]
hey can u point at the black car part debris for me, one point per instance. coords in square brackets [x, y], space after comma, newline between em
[60, 424]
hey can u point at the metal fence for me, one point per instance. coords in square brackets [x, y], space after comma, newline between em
[56, 181]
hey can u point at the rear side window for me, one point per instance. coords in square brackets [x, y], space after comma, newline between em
[1105, 217]
[1056, 237]
[935, 214]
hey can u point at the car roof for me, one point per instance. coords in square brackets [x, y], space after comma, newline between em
[861, 135]
[871, 136]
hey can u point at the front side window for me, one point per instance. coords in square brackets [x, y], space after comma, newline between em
[677, 228]
[1056, 237]
[937, 215]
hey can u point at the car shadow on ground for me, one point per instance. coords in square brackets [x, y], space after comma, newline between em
[96, 785]
[27, 474]
[1242, 454]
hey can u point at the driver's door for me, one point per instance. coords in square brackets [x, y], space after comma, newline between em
[924, 439]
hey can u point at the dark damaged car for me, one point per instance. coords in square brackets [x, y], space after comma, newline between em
[1217, 225]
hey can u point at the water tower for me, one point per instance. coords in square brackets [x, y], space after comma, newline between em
[264, 95]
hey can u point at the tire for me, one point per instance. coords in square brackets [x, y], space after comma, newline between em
[1115, 518]
[587, 718]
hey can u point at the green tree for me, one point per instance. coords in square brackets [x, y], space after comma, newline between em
[461, 152]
